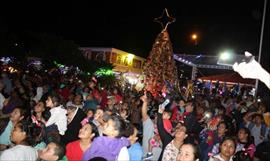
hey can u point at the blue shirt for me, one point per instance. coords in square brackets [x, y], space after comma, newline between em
[135, 152]
[5, 136]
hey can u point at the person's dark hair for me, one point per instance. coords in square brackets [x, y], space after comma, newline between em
[98, 159]
[72, 108]
[34, 132]
[120, 125]
[130, 129]
[60, 150]
[56, 99]
[86, 110]
[168, 110]
[46, 114]
[44, 104]
[23, 111]
[94, 129]
[79, 94]
[241, 156]
[257, 115]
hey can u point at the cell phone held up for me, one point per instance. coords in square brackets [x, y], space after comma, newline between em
[165, 103]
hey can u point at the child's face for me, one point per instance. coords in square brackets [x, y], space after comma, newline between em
[49, 153]
[181, 103]
[109, 129]
[99, 113]
[166, 115]
[133, 138]
[90, 114]
[49, 102]
[123, 114]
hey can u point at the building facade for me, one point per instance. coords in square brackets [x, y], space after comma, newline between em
[122, 61]
[126, 63]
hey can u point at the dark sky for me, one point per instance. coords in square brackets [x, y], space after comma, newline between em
[129, 26]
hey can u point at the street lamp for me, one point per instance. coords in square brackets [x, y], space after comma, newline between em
[194, 37]
[260, 45]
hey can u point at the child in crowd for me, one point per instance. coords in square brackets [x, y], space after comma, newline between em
[155, 141]
[58, 119]
[114, 145]
[89, 116]
[135, 150]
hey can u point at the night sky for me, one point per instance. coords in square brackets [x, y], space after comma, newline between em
[129, 25]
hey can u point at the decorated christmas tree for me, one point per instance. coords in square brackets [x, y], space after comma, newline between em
[160, 70]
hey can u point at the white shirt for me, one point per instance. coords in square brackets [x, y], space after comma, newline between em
[170, 152]
[20, 153]
[59, 118]
[70, 103]
[39, 94]
[123, 154]
[218, 157]
[148, 133]
[2, 99]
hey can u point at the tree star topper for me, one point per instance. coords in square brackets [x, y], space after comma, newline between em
[165, 20]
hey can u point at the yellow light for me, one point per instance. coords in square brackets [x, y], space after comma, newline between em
[130, 58]
[194, 36]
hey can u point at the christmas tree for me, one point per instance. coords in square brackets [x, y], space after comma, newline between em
[160, 70]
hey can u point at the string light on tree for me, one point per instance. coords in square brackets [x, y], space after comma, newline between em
[160, 70]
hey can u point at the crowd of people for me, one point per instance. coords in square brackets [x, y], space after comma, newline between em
[47, 117]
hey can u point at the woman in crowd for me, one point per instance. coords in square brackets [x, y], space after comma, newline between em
[213, 140]
[172, 149]
[188, 152]
[24, 137]
[171, 141]
[74, 117]
[227, 150]
[41, 112]
[245, 142]
[77, 101]
[6, 127]
[114, 142]
[75, 149]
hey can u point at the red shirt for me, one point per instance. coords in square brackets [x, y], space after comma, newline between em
[64, 93]
[74, 151]
[118, 98]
